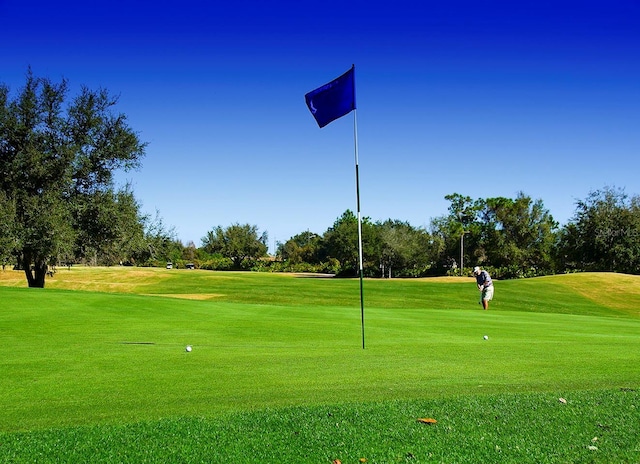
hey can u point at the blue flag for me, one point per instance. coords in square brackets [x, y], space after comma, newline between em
[333, 100]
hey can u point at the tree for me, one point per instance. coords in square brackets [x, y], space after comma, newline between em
[462, 208]
[130, 222]
[160, 243]
[189, 252]
[51, 157]
[463, 212]
[518, 234]
[236, 242]
[109, 227]
[302, 248]
[7, 229]
[341, 242]
[604, 233]
[457, 233]
[404, 249]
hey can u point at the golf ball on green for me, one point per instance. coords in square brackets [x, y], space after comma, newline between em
[486, 337]
[188, 348]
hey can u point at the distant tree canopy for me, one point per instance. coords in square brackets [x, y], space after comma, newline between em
[57, 160]
[404, 250]
[236, 242]
[302, 248]
[604, 234]
[514, 236]
[517, 234]
[341, 242]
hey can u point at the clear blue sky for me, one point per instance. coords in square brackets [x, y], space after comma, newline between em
[480, 98]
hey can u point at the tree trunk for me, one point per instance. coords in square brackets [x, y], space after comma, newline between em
[35, 273]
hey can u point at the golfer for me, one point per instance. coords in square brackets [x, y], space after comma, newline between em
[485, 285]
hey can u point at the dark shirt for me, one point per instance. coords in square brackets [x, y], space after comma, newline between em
[484, 279]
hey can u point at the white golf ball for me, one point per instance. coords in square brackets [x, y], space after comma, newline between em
[188, 348]
[486, 337]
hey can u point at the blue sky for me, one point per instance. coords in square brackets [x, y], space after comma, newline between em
[480, 98]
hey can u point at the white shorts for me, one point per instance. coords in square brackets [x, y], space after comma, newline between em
[487, 293]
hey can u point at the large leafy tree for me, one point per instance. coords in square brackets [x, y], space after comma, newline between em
[109, 227]
[404, 249]
[303, 247]
[604, 233]
[236, 242]
[341, 242]
[54, 155]
[518, 234]
[7, 229]
[160, 242]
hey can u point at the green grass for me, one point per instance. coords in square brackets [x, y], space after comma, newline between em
[528, 428]
[95, 365]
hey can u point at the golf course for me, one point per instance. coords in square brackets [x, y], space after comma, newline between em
[94, 368]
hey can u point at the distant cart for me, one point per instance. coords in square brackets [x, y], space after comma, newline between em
[169, 265]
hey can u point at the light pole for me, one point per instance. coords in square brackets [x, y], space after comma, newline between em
[462, 250]
[462, 243]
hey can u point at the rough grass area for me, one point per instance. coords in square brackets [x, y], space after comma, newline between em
[618, 291]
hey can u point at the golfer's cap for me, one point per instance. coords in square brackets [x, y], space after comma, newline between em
[476, 269]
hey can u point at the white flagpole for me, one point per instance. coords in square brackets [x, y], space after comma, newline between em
[355, 139]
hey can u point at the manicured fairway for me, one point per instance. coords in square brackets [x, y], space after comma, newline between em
[106, 347]
[74, 357]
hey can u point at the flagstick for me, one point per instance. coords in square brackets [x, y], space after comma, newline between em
[355, 138]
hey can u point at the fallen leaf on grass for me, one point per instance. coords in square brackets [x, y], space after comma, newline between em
[562, 400]
[427, 420]
[336, 461]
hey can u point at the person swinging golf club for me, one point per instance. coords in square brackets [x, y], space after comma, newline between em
[485, 285]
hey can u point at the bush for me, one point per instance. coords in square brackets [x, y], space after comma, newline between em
[217, 263]
[286, 266]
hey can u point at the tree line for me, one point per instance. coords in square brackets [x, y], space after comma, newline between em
[513, 237]
[59, 206]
